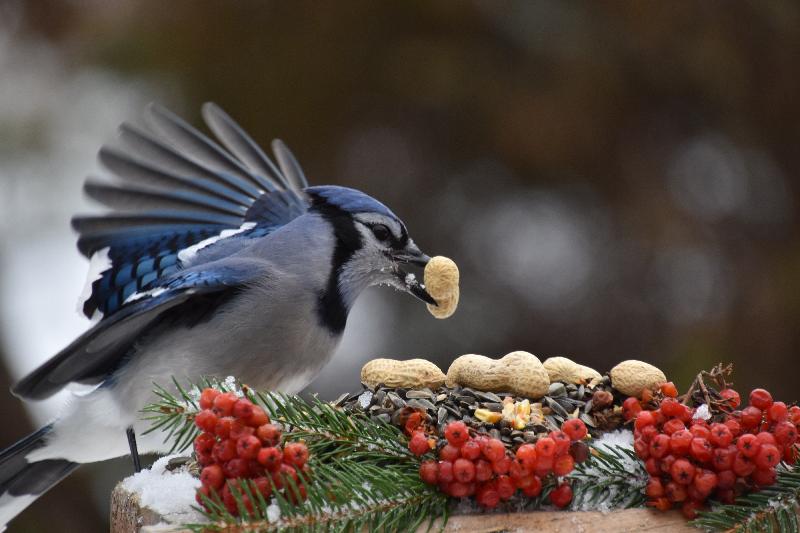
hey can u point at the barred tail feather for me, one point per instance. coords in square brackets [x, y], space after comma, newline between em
[21, 482]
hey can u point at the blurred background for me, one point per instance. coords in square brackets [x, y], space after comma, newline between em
[615, 179]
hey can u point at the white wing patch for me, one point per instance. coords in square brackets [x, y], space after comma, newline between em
[152, 293]
[186, 255]
[99, 263]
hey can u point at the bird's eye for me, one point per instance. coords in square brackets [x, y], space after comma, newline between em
[381, 232]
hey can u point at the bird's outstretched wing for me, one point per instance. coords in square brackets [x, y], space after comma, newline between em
[186, 298]
[176, 191]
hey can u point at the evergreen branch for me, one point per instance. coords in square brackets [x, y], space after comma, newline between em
[613, 477]
[362, 473]
[772, 508]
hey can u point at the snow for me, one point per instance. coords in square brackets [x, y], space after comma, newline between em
[702, 412]
[170, 494]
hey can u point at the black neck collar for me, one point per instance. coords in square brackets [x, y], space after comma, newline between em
[331, 308]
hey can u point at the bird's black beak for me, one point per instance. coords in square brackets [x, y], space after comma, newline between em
[413, 255]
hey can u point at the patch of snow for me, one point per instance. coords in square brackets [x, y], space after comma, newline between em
[170, 494]
[702, 412]
[621, 437]
[99, 263]
[411, 279]
[186, 255]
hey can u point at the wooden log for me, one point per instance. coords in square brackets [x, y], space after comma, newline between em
[129, 516]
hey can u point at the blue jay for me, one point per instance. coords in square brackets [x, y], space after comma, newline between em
[212, 262]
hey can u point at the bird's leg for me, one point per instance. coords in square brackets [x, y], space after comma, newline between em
[137, 464]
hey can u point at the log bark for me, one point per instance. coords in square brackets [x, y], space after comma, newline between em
[129, 516]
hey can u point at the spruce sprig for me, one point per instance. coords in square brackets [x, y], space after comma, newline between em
[770, 509]
[613, 477]
[361, 473]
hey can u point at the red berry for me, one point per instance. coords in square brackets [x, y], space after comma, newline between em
[669, 389]
[258, 418]
[544, 465]
[673, 425]
[493, 449]
[262, 485]
[654, 489]
[791, 454]
[731, 398]
[429, 472]
[777, 412]
[470, 450]
[765, 477]
[223, 427]
[206, 420]
[748, 444]
[666, 463]
[631, 408]
[418, 443]
[721, 435]
[562, 442]
[662, 504]
[483, 470]
[518, 471]
[487, 495]
[456, 433]
[575, 429]
[701, 449]
[449, 453]
[502, 465]
[212, 476]
[726, 496]
[242, 408]
[206, 491]
[204, 443]
[723, 459]
[794, 414]
[270, 457]
[751, 417]
[760, 398]
[680, 442]
[445, 471]
[765, 437]
[224, 450]
[726, 479]
[705, 481]
[239, 429]
[785, 433]
[545, 447]
[671, 407]
[768, 457]
[644, 419]
[526, 454]
[734, 426]
[505, 487]
[204, 458]
[675, 492]
[207, 398]
[248, 447]
[270, 434]
[296, 454]
[743, 466]
[561, 496]
[648, 433]
[563, 465]
[223, 404]
[682, 471]
[699, 430]
[642, 449]
[659, 447]
[236, 468]
[534, 488]
[653, 466]
[689, 509]
[458, 489]
[463, 470]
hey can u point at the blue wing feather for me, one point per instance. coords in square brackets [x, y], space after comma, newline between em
[176, 190]
[187, 298]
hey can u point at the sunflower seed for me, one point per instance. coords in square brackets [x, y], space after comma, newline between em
[556, 390]
[441, 415]
[421, 404]
[489, 396]
[556, 407]
[396, 400]
[588, 420]
[494, 407]
[384, 418]
[424, 394]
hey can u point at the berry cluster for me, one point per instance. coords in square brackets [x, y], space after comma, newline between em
[691, 459]
[481, 466]
[239, 443]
